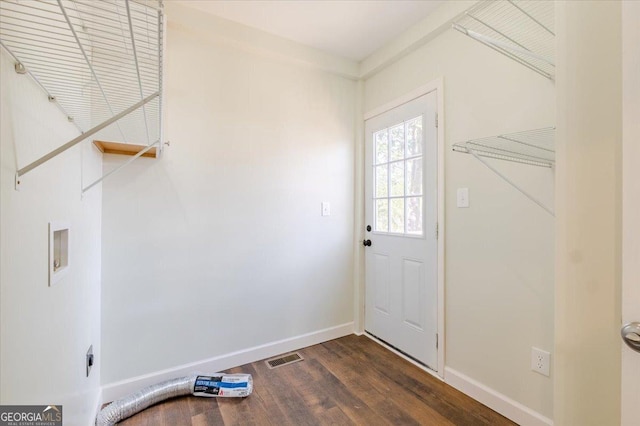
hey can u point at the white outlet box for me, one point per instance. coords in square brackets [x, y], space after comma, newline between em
[58, 251]
[540, 361]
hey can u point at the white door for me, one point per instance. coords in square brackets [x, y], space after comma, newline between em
[401, 238]
[631, 207]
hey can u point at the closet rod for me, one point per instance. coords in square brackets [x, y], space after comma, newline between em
[513, 184]
[85, 135]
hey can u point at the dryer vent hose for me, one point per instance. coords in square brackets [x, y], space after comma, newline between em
[217, 385]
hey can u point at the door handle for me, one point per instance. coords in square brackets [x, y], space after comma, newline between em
[631, 335]
[366, 243]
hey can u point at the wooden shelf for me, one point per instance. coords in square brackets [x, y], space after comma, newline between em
[124, 149]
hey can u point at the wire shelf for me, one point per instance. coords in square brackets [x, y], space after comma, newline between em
[94, 58]
[523, 30]
[533, 147]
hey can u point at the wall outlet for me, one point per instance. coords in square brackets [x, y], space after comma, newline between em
[89, 359]
[540, 361]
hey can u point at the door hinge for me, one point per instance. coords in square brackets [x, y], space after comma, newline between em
[437, 342]
[436, 120]
[437, 230]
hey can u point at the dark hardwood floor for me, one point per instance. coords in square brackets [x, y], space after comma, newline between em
[347, 381]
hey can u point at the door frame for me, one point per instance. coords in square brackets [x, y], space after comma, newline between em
[630, 294]
[437, 86]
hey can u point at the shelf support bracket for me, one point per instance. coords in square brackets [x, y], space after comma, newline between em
[126, 163]
[510, 182]
[85, 135]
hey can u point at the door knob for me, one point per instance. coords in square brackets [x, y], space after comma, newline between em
[366, 243]
[631, 335]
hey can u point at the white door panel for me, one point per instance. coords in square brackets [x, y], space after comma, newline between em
[401, 208]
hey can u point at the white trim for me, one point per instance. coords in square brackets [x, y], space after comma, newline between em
[630, 364]
[113, 391]
[439, 85]
[359, 215]
[213, 29]
[414, 94]
[504, 405]
[414, 37]
[401, 355]
[436, 85]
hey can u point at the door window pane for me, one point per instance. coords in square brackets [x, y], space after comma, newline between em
[397, 179]
[414, 137]
[382, 146]
[396, 135]
[382, 181]
[414, 215]
[397, 215]
[382, 215]
[414, 176]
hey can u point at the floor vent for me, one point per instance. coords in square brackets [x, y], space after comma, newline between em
[284, 360]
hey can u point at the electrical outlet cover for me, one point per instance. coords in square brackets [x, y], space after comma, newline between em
[540, 361]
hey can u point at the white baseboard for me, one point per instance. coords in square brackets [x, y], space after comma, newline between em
[113, 391]
[504, 405]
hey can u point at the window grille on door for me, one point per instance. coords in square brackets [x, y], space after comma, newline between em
[397, 176]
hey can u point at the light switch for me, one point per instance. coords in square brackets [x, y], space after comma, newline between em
[326, 208]
[463, 197]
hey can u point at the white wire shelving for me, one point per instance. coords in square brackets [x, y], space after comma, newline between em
[100, 61]
[532, 147]
[523, 30]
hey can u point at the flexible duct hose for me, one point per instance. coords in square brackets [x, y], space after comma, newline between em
[217, 385]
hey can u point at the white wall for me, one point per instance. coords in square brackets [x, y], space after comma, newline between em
[588, 243]
[219, 246]
[46, 331]
[499, 252]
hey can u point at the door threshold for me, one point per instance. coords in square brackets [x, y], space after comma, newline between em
[403, 355]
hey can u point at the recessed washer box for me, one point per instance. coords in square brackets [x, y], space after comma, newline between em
[58, 251]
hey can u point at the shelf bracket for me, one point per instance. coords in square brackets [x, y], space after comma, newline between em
[126, 163]
[510, 182]
[85, 135]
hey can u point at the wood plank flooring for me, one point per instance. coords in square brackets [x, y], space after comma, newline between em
[347, 381]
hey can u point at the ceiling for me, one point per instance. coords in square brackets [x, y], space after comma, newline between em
[351, 29]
